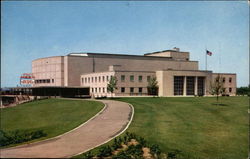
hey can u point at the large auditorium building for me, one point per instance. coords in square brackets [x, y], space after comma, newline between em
[176, 74]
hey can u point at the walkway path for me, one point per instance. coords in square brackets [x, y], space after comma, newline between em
[114, 119]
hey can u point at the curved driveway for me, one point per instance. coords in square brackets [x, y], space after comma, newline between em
[109, 123]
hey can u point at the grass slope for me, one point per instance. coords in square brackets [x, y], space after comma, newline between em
[196, 126]
[53, 116]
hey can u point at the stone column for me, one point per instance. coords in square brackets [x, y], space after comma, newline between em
[185, 86]
[196, 85]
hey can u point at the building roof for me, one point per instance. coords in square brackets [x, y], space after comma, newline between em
[117, 55]
[164, 51]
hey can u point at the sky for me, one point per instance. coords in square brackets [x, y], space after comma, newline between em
[35, 29]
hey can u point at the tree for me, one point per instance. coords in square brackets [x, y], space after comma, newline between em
[217, 87]
[243, 90]
[112, 85]
[153, 86]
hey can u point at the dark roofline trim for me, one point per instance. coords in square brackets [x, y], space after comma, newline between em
[225, 73]
[165, 51]
[187, 70]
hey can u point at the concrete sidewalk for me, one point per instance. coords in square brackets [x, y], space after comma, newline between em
[100, 129]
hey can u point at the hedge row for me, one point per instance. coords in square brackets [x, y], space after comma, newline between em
[18, 136]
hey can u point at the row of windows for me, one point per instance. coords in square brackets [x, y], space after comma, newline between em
[123, 89]
[95, 79]
[106, 79]
[224, 80]
[131, 89]
[132, 78]
[44, 81]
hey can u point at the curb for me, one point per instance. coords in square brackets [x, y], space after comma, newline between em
[130, 120]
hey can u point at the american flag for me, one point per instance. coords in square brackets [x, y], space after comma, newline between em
[209, 53]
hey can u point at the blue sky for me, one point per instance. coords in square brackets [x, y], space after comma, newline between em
[32, 30]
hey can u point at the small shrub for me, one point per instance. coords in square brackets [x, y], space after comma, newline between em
[88, 155]
[116, 144]
[135, 151]
[122, 155]
[142, 141]
[155, 149]
[105, 152]
[174, 154]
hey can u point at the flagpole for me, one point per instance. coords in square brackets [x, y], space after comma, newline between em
[206, 57]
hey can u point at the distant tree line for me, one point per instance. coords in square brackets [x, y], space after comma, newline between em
[243, 91]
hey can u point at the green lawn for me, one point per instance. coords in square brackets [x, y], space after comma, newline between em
[53, 116]
[194, 125]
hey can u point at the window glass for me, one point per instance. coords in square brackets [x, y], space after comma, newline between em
[140, 89]
[131, 89]
[178, 85]
[122, 89]
[230, 80]
[131, 78]
[190, 85]
[122, 78]
[140, 78]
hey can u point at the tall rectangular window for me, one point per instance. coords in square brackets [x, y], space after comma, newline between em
[131, 89]
[123, 89]
[230, 90]
[201, 83]
[132, 78]
[190, 85]
[178, 85]
[88, 79]
[223, 80]
[52, 80]
[92, 79]
[82, 80]
[99, 78]
[123, 78]
[95, 79]
[148, 78]
[103, 89]
[140, 89]
[100, 90]
[230, 80]
[103, 78]
[107, 78]
[140, 78]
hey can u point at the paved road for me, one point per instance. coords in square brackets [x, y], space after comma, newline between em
[107, 124]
